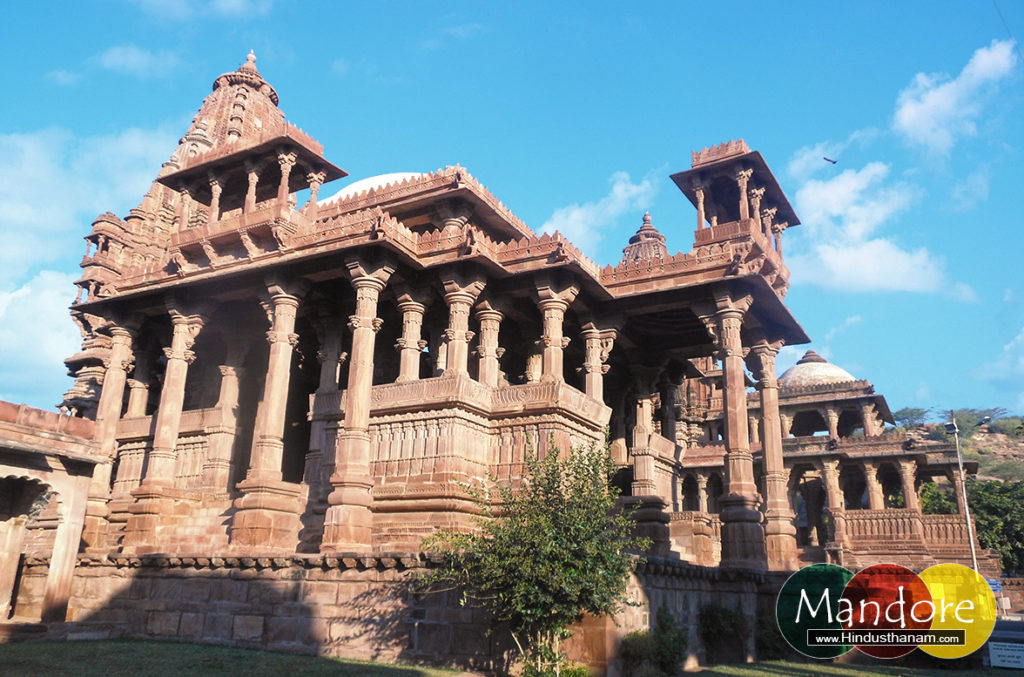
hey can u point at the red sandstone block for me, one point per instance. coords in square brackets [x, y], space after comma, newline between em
[191, 625]
[218, 626]
[163, 623]
[319, 592]
[248, 628]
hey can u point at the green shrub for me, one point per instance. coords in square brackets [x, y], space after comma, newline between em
[658, 653]
[770, 644]
[723, 631]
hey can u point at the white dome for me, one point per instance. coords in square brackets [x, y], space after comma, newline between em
[362, 185]
[813, 370]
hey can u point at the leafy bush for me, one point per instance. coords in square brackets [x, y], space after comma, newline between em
[558, 550]
[657, 653]
[768, 639]
[723, 631]
[1007, 426]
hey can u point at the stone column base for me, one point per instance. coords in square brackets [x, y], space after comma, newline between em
[743, 542]
[146, 515]
[651, 522]
[780, 543]
[268, 517]
[347, 528]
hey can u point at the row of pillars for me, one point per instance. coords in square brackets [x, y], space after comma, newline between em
[286, 161]
[749, 207]
[268, 508]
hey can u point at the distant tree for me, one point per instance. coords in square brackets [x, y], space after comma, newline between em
[1008, 425]
[556, 551]
[998, 511]
[935, 501]
[911, 417]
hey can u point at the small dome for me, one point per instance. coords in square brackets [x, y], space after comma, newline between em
[813, 370]
[361, 185]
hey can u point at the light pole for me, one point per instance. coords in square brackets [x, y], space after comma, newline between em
[952, 427]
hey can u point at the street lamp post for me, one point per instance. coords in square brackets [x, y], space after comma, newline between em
[952, 427]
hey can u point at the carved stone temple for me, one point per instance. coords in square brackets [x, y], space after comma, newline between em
[283, 388]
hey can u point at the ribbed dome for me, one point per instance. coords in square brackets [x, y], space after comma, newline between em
[813, 370]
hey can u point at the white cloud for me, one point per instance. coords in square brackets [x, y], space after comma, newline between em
[842, 216]
[1007, 369]
[810, 160]
[340, 66]
[53, 184]
[851, 321]
[934, 110]
[36, 335]
[63, 78]
[134, 60]
[585, 224]
[972, 190]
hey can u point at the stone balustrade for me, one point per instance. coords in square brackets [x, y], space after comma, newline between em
[888, 524]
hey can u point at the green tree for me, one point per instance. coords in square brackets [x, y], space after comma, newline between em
[935, 501]
[910, 417]
[998, 511]
[556, 549]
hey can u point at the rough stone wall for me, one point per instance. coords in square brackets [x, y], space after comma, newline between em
[353, 606]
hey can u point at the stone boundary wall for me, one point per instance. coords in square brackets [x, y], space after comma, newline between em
[353, 605]
[1013, 588]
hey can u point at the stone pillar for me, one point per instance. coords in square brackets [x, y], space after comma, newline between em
[410, 346]
[755, 434]
[554, 300]
[184, 211]
[215, 191]
[286, 161]
[875, 499]
[780, 534]
[834, 499]
[138, 397]
[870, 419]
[702, 493]
[698, 189]
[217, 476]
[743, 543]
[755, 204]
[958, 487]
[147, 511]
[65, 552]
[315, 179]
[488, 352]
[12, 533]
[108, 413]
[777, 230]
[650, 515]
[250, 194]
[162, 458]
[908, 475]
[267, 511]
[598, 346]
[348, 524]
[742, 177]
[787, 424]
[767, 217]
[460, 295]
[832, 417]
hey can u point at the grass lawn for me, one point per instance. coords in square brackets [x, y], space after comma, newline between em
[167, 659]
[788, 669]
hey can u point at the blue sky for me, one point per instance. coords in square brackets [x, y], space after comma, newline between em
[906, 270]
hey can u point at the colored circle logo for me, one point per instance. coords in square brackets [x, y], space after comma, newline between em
[886, 611]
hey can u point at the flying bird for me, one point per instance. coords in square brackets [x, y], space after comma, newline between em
[826, 159]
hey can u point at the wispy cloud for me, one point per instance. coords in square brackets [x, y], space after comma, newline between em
[1007, 369]
[585, 223]
[453, 33]
[843, 215]
[972, 190]
[187, 9]
[810, 160]
[935, 110]
[851, 321]
[52, 184]
[64, 78]
[134, 60]
[36, 335]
